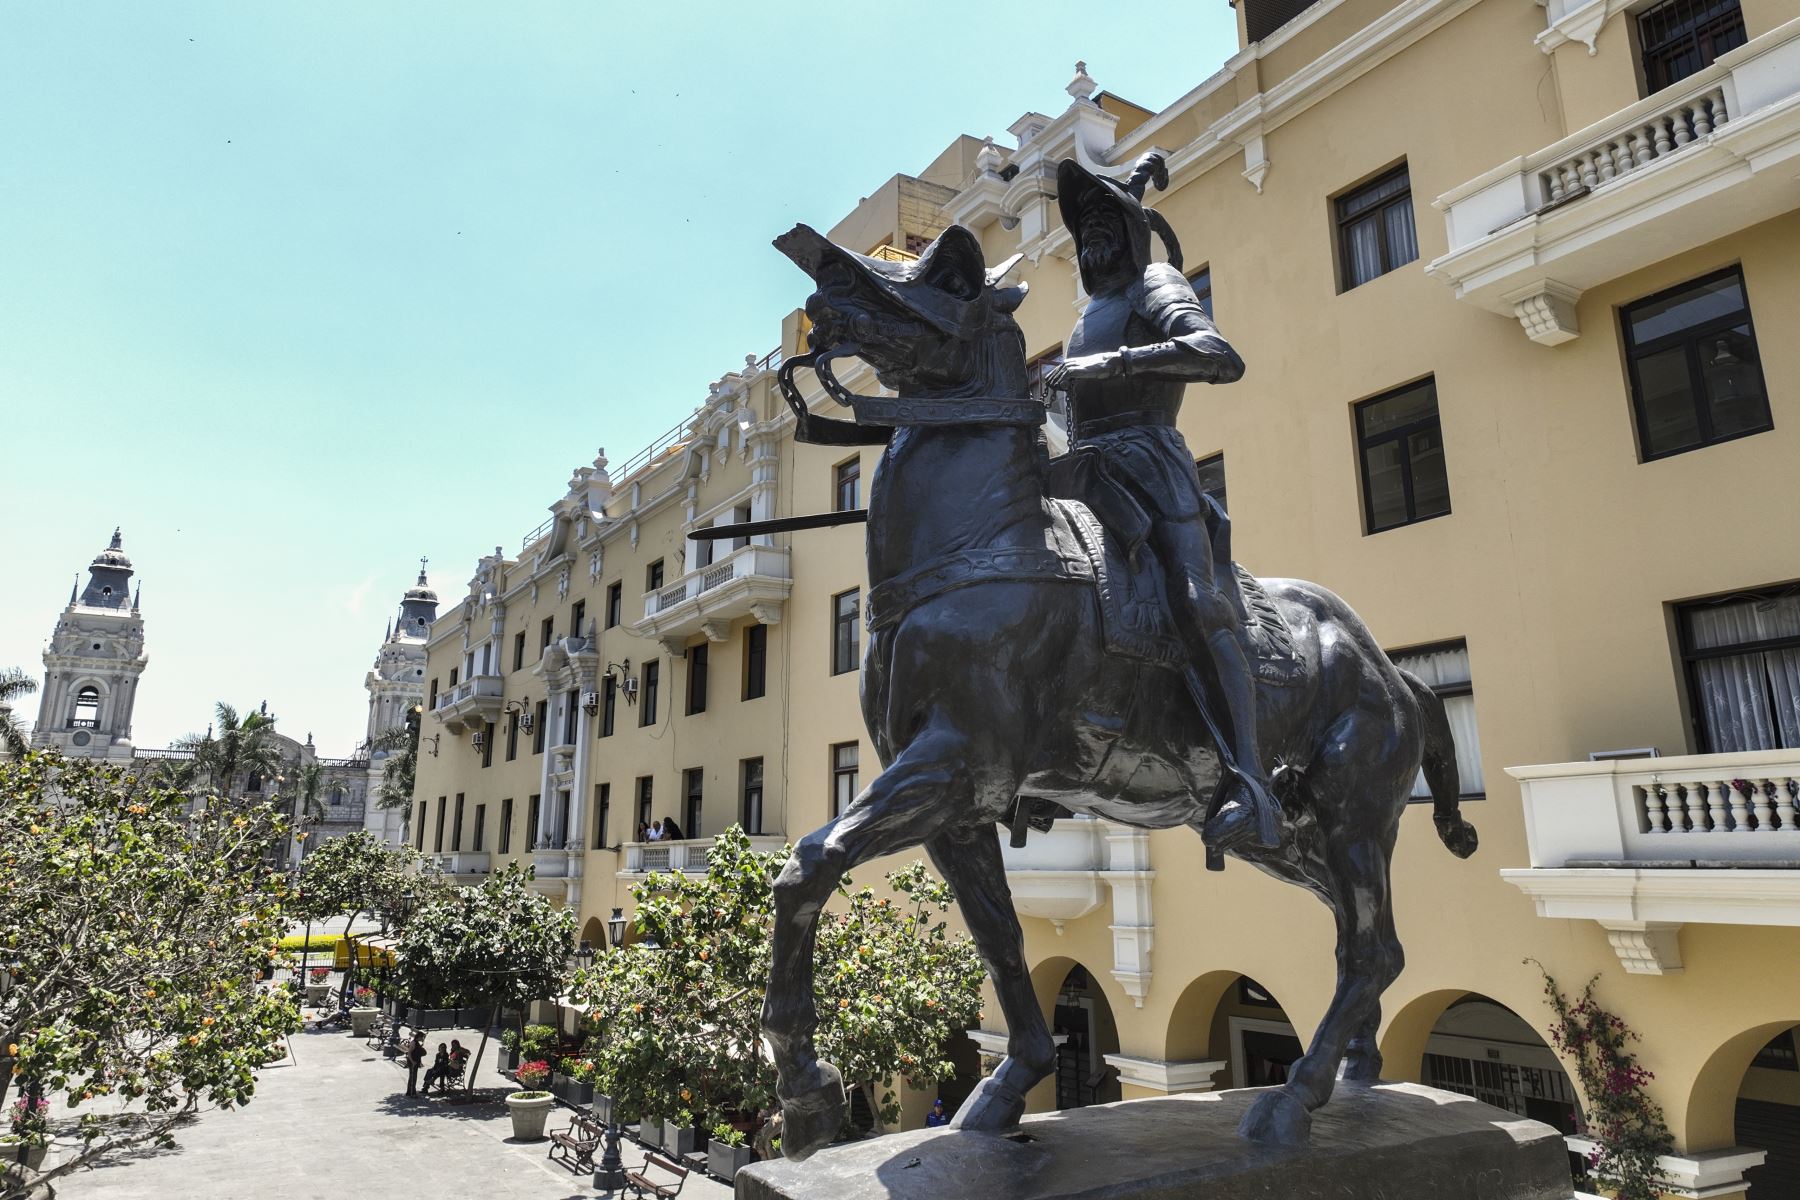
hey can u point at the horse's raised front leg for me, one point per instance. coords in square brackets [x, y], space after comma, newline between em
[970, 862]
[1369, 958]
[923, 791]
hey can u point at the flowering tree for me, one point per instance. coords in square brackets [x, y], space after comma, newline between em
[499, 943]
[352, 875]
[680, 1012]
[133, 937]
[1627, 1127]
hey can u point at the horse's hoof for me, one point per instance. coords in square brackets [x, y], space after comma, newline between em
[812, 1119]
[1276, 1119]
[991, 1107]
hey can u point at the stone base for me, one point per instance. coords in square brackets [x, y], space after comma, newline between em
[1398, 1141]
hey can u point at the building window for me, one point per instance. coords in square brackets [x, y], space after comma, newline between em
[609, 704]
[562, 836]
[437, 841]
[756, 661]
[87, 709]
[423, 807]
[487, 745]
[696, 697]
[546, 634]
[1212, 478]
[577, 616]
[531, 822]
[1444, 668]
[537, 726]
[456, 825]
[844, 763]
[693, 782]
[740, 516]
[519, 650]
[571, 715]
[647, 702]
[1402, 450]
[480, 826]
[512, 735]
[847, 485]
[752, 815]
[1743, 666]
[453, 679]
[1202, 284]
[1696, 377]
[702, 556]
[643, 806]
[602, 813]
[653, 576]
[845, 608]
[431, 701]
[1375, 229]
[615, 603]
[1680, 37]
[1036, 378]
[506, 816]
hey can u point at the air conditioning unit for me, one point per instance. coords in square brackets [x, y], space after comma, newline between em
[591, 702]
[629, 687]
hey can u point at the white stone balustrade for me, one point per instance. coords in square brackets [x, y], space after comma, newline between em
[462, 862]
[1643, 846]
[751, 581]
[1713, 153]
[472, 703]
[688, 855]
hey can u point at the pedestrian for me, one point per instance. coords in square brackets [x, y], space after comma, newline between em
[459, 1059]
[415, 1058]
[937, 1116]
[440, 1068]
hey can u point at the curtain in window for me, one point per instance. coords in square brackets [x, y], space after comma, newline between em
[1748, 701]
[1441, 668]
[1403, 244]
[1365, 252]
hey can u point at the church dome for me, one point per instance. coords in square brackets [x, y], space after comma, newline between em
[113, 556]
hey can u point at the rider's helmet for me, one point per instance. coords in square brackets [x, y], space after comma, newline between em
[1078, 189]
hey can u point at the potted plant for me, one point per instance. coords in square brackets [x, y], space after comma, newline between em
[537, 1042]
[531, 1106]
[509, 1041]
[318, 985]
[575, 1081]
[29, 1139]
[363, 1014]
[679, 1136]
[727, 1150]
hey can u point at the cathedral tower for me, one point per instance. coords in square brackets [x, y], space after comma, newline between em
[92, 665]
[395, 684]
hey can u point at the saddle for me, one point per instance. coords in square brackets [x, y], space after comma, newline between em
[1132, 588]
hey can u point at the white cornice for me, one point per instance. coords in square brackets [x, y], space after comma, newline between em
[1161, 1075]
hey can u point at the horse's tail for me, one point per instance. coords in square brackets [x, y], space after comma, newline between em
[1439, 765]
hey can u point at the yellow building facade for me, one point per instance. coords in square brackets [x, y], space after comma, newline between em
[1514, 286]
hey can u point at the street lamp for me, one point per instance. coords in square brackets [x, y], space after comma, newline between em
[610, 1174]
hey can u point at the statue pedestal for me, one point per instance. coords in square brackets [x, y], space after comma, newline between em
[1399, 1141]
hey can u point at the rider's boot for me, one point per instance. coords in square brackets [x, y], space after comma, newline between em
[1250, 815]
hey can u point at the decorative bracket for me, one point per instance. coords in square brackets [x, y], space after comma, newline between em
[1546, 311]
[1646, 947]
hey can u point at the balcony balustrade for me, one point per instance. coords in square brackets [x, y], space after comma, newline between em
[462, 863]
[1645, 845]
[643, 858]
[1707, 157]
[471, 704]
[749, 581]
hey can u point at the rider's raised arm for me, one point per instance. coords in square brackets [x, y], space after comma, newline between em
[1195, 352]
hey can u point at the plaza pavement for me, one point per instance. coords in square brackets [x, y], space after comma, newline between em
[334, 1120]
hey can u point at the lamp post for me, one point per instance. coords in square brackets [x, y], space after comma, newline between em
[610, 1174]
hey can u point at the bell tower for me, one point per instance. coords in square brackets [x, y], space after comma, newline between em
[395, 683]
[92, 665]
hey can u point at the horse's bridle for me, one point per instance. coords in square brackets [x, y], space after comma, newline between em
[900, 410]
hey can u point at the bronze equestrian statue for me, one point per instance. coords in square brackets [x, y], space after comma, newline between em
[1021, 655]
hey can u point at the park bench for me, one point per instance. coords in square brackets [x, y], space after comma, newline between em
[641, 1184]
[578, 1142]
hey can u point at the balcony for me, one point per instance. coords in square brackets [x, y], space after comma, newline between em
[1643, 846]
[471, 704]
[557, 862]
[1074, 869]
[751, 581]
[1705, 158]
[461, 865]
[642, 858]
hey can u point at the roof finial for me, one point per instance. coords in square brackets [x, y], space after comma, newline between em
[422, 561]
[115, 541]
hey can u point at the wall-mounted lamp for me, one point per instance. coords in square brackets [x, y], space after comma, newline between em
[433, 739]
[522, 709]
[627, 685]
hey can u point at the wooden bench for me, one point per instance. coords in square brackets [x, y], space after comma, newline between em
[641, 1184]
[578, 1142]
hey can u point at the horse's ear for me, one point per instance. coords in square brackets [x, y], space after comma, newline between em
[1008, 299]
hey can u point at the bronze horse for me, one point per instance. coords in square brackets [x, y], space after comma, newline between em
[986, 684]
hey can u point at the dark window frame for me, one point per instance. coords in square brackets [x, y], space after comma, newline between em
[1691, 656]
[609, 705]
[487, 745]
[546, 634]
[693, 800]
[750, 784]
[539, 718]
[846, 645]
[531, 821]
[1202, 466]
[456, 826]
[1342, 221]
[512, 735]
[1364, 443]
[648, 687]
[577, 614]
[519, 651]
[1448, 691]
[424, 810]
[480, 828]
[847, 477]
[437, 839]
[506, 822]
[654, 576]
[646, 800]
[697, 657]
[602, 813]
[615, 603]
[1709, 39]
[838, 773]
[756, 662]
[1689, 339]
[1200, 279]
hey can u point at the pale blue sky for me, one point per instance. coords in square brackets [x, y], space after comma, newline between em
[297, 293]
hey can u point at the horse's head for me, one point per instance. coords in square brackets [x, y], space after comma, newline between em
[936, 326]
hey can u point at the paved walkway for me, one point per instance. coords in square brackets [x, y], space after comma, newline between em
[335, 1121]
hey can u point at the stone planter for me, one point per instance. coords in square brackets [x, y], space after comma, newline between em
[529, 1114]
[30, 1153]
[603, 1108]
[725, 1161]
[511, 1058]
[679, 1140]
[650, 1131]
[316, 994]
[362, 1021]
[571, 1091]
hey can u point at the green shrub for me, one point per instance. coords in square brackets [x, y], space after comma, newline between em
[539, 1042]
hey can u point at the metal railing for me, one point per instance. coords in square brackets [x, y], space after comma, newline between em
[535, 534]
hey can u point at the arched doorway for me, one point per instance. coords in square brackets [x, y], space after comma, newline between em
[1754, 1080]
[1082, 1021]
[1481, 1048]
[1251, 1032]
[593, 935]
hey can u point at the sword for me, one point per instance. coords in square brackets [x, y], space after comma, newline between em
[719, 533]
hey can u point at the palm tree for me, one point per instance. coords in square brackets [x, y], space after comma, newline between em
[13, 684]
[309, 786]
[243, 747]
[401, 746]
